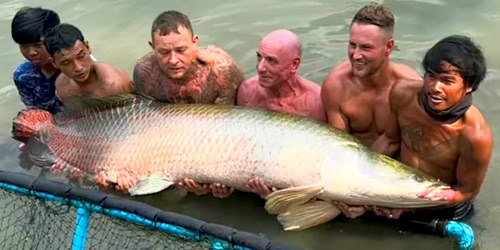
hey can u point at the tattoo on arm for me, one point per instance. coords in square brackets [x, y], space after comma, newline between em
[146, 75]
[229, 81]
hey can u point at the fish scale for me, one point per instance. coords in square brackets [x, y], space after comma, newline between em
[152, 145]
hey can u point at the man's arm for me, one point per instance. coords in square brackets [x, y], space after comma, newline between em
[25, 93]
[229, 80]
[144, 74]
[389, 142]
[473, 163]
[228, 75]
[243, 92]
[331, 93]
[62, 91]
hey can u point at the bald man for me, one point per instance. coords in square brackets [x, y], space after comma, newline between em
[277, 86]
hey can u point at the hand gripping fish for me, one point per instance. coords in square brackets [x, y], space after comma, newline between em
[143, 147]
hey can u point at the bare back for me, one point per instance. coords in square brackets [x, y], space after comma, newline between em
[215, 81]
[105, 81]
[358, 106]
[304, 100]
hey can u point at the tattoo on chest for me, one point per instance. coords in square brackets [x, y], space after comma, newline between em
[206, 84]
[425, 141]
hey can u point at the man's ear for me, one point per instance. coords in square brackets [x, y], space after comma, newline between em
[468, 90]
[390, 47]
[52, 61]
[196, 39]
[295, 65]
[88, 47]
[151, 45]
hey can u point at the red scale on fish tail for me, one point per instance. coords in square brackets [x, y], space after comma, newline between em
[28, 122]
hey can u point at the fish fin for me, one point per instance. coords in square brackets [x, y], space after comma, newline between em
[308, 215]
[279, 201]
[39, 153]
[150, 185]
[79, 102]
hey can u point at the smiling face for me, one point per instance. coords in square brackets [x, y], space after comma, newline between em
[369, 47]
[75, 62]
[445, 89]
[36, 53]
[175, 52]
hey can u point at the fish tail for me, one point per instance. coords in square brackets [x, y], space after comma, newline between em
[27, 122]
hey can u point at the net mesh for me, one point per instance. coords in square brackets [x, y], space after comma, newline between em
[28, 222]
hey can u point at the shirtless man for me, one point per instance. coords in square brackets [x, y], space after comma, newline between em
[80, 74]
[177, 71]
[355, 94]
[441, 133]
[277, 86]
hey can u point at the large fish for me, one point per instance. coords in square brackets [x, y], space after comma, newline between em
[144, 147]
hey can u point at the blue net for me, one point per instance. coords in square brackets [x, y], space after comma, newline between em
[40, 214]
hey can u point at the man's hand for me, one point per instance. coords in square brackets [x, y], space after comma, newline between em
[220, 190]
[351, 212]
[439, 194]
[258, 186]
[390, 213]
[192, 186]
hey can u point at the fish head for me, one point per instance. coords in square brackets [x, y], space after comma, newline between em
[358, 176]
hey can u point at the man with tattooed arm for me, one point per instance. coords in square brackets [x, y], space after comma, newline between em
[440, 132]
[177, 71]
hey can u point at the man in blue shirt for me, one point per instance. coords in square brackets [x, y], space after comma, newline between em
[35, 78]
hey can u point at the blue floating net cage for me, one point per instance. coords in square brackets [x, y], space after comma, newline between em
[42, 214]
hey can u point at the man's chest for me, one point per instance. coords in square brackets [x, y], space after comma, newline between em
[428, 139]
[366, 111]
[202, 89]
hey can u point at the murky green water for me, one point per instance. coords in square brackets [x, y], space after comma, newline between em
[118, 32]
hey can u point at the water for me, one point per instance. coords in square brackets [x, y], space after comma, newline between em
[119, 31]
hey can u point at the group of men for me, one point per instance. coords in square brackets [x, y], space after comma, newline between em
[428, 123]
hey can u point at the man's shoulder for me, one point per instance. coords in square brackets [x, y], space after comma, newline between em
[107, 72]
[404, 90]
[25, 68]
[248, 89]
[309, 87]
[145, 69]
[476, 127]
[250, 83]
[145, 61]
[338, 75]
[215, 57]
[403, 71]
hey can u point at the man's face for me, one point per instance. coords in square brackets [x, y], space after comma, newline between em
[175, 52]
[36, 53]
[368, 49]
[275, 63]
[446, 89]
[75, 62]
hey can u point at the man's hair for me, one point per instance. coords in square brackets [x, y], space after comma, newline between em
[169, 21]
[62, 37]
[461, 52]
[376, 14]
[30, 24]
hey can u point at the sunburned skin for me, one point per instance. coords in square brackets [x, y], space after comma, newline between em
[213, 78]
[277, 85]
